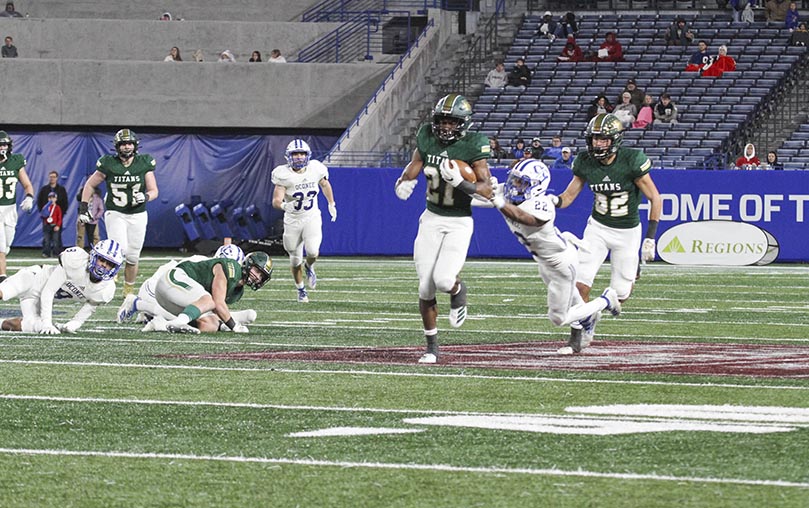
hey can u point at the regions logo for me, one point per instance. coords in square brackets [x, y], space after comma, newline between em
[716, 242]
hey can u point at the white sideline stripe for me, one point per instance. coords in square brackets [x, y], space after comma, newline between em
[400, 374]
[408, 467]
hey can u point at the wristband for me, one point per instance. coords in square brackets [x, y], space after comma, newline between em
[230, 323]
[29, 196]
[467, 187]
[651, 231]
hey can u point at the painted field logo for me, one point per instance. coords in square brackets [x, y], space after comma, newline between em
[718, 243]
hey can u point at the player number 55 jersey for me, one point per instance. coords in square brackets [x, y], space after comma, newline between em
[302, 188]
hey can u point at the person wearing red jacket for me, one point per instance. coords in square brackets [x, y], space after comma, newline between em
[748, 160]
[610, 50]
[571, 52]
[721, 64]
[51, 227]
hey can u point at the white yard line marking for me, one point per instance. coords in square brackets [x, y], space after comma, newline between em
[351, 372]
[408, 467]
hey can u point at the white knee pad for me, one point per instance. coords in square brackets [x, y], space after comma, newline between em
[295, 260]
[444, 284]
[426, 290]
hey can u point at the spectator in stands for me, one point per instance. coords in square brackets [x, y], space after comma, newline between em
[720, 64]
[10, 12]
[520, 75]
[776, 11]
[53, 186]
[536, 148]
[739, 6]
[166, 16]
[793, 17]
[527, 153]
[747, 13]
[571, 52]
[748, 160]
[610, 50]
[665, 110]
[636, 93]
[174, 55]
[565, 159]
[678, 34]
[255, 57]
[599, 105]
[554, 151]
[646, 114]
[699, 58]
[51, 227]
[495, 150]
[198, 56]
[227, 57]
[772, 161]
[9, 49]
[568, 26]
[626, 111]
[518, 151]
[547, 27]
[497, 77]
[800, 37]
[276, 57]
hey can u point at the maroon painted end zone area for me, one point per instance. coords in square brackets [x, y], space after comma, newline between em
[657, 358]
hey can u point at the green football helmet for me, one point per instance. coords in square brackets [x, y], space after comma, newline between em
[454, 107]
[5, 139]
[260, 260]
[604, 125]
[125, 136]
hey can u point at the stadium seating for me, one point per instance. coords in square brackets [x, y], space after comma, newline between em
[711, 110]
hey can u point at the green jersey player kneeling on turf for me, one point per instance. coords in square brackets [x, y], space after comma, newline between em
[198, 293]
[445, 227]
[81, 276]
[617, 176]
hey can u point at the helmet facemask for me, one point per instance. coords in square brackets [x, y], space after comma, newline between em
[527, 179]
[5, 151]
[604, 126]
[256, 270]
[106, 259]
[458, 111]
[125, 137]
[298, 154]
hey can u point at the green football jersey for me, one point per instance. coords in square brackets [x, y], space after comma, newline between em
[202, 272]
[123, 181]
[9, 176]
[443, 198]
[615, 195]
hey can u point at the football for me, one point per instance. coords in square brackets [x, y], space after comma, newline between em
[467, 172]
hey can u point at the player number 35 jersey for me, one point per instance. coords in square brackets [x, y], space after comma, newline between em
[302, 188]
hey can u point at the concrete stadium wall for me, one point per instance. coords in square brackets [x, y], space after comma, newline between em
[188, 94]
[233, 10]
[151, 40]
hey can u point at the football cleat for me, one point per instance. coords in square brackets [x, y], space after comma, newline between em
[127, 309]
[589, 329]
[303, 297]
[181, 328]
[457, 304]
[311, 276]
[428, 358]
[613, 304]
[574, 342]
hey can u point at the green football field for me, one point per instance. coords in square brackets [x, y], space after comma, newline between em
[696, 395]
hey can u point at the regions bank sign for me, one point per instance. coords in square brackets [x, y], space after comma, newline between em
[717, 242]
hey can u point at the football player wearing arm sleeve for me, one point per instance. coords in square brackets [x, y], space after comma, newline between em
[12, 171]
[297, 185]
[529, 213]
[85, 277]
[445, 226]
[131, 184]
[617, 176]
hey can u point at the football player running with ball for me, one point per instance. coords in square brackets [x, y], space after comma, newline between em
[445, 226]
[297, 185]
[529, 213]
[617, 176]
[85, 277]
[130, 185]
[12, 171]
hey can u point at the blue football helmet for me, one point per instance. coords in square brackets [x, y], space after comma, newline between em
[297, 146]
[109, 250]
[231, 251]
[527, 179]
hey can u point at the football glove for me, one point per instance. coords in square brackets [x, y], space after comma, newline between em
[84, 214]
[450, 172]
[555, 201]
[333, 211]
[498, 199]
[404, 188]
[69, 327]
[27, 203]
[647, 251]
[50, 330]
[138, 198]
[240, 328]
